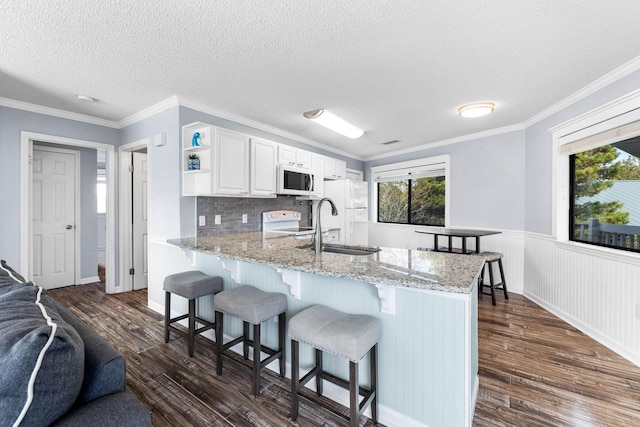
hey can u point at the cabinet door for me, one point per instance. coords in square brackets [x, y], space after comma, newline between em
[317, 166]
[341, 169]
[231, 163]
[329, 168]
[303, 159]
[286, 155]
[263, 168]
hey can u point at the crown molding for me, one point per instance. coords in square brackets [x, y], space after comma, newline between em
[264, 127]
[604, 81]
[63, 114]
[450, 141]
[149, 112]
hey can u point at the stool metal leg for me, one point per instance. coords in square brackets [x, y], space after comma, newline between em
[245, 341]
[256, 360]
[282, 318]
[319, 372]
[295, 373]
[219, 344]
[504, 280]
[353, 395]
[492, 284]
[167, 315]
[192, 325]
[374, 382]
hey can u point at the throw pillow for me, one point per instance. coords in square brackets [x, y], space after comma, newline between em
[41, 356]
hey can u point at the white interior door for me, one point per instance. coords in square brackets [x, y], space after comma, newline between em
[53, 210]
[140, 217]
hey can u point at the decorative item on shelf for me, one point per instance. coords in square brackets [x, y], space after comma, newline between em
[195, 141]
[193, 162]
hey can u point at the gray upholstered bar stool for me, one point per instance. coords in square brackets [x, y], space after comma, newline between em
[190, 285]
[489, 259]
[254, 307]
[346, 335]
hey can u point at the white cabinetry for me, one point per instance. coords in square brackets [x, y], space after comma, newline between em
[334, 168]
[294, 157]
[231, 163]
[262, 174]
[317, 167]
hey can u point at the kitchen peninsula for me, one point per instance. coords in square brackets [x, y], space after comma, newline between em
[426, 301]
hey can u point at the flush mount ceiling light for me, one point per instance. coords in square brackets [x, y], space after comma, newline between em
[335, 123]
[477, 109]
[86, 98]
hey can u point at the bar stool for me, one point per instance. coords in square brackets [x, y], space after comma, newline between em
[346, 335]
[489, 259]
[255, 307]
[190, 285]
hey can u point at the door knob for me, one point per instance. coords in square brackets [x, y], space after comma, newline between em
[69, 227]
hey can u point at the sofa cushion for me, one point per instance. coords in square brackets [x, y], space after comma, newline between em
[9, 279]
[41, 356]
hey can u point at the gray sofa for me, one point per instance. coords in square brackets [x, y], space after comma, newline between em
[55, 369]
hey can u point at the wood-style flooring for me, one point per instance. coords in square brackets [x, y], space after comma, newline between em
[535, 370]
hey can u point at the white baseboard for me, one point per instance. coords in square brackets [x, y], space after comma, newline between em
[87, 280]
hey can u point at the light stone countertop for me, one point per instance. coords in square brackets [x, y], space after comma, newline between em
[439, 271]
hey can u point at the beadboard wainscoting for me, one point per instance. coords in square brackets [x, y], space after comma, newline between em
[595, 290]
[509, 243]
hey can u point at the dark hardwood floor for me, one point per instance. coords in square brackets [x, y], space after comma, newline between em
[535, 370]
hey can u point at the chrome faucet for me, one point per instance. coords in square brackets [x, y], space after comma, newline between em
[317, 235]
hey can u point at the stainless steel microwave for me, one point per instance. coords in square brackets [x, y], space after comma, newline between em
[294, 181]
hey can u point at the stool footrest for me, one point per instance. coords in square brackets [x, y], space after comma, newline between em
[342, 383]
[207, 325]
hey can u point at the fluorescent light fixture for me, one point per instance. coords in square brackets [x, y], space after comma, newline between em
[477, 109]
[335, 123]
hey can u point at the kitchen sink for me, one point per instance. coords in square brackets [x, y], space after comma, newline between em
[343, 249]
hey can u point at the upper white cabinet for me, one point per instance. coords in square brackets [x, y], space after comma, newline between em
[334, 168]
[231, 163]
[293, 156]
[317, 167]
[262, 174]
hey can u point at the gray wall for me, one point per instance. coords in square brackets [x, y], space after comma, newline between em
[487, 180]
[12, 122]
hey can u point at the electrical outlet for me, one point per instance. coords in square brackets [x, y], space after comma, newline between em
[244, 218]
[217, 220]
[202, 221]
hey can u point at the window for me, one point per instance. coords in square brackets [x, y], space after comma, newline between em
[605, 195]
[413, 193]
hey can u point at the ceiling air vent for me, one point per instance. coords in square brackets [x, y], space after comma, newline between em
[393, 141]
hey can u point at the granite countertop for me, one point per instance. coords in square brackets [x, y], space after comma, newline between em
[439, 271]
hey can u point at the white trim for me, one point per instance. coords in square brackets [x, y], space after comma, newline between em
[124, 196]
[63, 114]
[149, 112]
[87, 280]
[77, 212]
[26, 152]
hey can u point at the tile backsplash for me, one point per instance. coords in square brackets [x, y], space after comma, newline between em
[231, 210]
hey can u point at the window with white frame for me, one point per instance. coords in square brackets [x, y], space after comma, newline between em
[413, 193]
[598, 177]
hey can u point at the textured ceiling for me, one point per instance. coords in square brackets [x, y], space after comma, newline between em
[398, 69]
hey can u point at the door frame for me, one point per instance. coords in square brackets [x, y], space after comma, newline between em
[26, 217]
[77, 239]
[125, 236]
